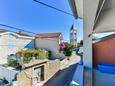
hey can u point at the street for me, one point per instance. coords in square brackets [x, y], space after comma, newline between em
[63, 77]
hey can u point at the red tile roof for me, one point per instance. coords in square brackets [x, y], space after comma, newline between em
[48, 35]
[3, 30]
[23, 34]
[20, 33]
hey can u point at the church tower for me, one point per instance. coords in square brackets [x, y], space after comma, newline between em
[73, 35]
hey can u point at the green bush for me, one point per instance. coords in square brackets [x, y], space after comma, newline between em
[49, 54]
[80, 44]
[40, 58]
[39, 54]
[4, 81]
[12, 63]
[68, 49]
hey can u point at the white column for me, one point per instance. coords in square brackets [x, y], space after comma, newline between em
[89, 14]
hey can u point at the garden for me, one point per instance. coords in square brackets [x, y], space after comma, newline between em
[27, 56]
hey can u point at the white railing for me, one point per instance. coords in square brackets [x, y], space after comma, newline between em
[9, 74]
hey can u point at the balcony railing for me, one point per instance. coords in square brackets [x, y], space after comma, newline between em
[78, 77]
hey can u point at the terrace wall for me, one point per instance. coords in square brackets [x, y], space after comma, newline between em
[104, 52]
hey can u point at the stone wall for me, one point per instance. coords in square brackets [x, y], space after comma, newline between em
[27, 77]
[24, 78]
[52, 68]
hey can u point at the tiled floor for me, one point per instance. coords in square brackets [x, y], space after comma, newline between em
[87, 78]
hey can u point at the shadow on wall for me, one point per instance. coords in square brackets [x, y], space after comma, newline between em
[30, 45]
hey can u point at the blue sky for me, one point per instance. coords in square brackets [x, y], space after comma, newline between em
[31, 16]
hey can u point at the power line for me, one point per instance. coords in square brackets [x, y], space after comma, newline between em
[53, 7]
[23, 30]
[16, 28]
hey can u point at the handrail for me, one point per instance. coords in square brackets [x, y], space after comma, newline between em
[78, 76]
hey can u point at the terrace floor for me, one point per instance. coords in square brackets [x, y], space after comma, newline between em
[87, 79]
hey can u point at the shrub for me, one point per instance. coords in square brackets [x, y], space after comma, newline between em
[4, 81]
[49, 54]
[12, 63]
[39, 54]
[12, 60]
[68, 49]
[80, 44]
[43, 53]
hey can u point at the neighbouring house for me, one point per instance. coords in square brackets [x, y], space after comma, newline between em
[103, 50]
[11, 42]
[49, 41]
[33, 72]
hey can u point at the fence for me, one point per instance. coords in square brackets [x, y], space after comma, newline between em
[9, 74]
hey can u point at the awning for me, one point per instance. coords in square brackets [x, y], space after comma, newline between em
[100, 14]
[106, 18]
[77, 8]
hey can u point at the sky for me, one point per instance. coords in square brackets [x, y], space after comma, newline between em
[34, 17]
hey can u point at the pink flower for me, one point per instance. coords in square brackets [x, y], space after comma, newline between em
[62, 46]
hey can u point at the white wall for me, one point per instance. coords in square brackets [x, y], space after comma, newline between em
[10, 44]
[51, 44]
[7, 73]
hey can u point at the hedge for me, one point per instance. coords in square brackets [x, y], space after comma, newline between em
[39, 54]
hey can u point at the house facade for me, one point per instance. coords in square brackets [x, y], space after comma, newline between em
[49, 41]
[98, 17]
[11, 42]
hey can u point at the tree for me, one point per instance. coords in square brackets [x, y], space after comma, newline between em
[68, 49]
[80, 44]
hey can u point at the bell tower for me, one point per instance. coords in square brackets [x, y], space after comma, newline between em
[73, 35]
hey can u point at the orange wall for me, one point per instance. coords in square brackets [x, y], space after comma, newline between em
[104, 52]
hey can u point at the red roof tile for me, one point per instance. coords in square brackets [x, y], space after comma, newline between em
[3, 30]
[23, 34]
[20, 33]
[48, 35]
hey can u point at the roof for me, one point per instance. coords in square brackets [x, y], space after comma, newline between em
[23, 34]
[49, 35]
[104, 38]
[3, 31]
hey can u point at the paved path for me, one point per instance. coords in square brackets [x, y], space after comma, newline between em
[63, 77]
[73, 60]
